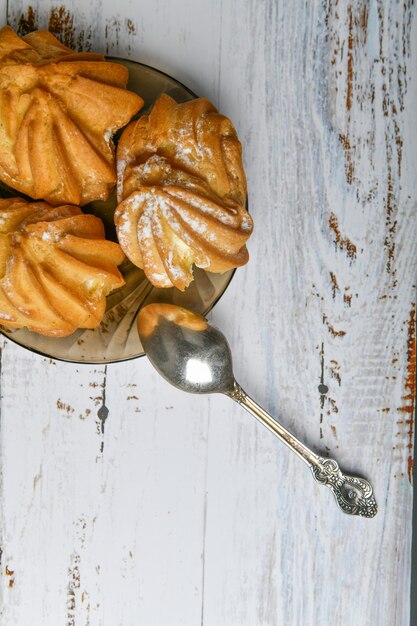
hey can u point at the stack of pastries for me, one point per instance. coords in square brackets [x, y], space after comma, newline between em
[182, 192]
[180, 184]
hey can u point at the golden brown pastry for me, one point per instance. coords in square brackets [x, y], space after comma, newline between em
[56, 268]
[58, 112]
[182, 192]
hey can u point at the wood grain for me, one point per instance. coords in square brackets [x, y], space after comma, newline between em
[125, 502]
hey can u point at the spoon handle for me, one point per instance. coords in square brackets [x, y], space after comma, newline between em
[353, 495]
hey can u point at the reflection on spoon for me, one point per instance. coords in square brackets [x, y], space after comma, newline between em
[195, 357]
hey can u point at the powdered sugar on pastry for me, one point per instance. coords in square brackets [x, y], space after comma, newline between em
[182, 191]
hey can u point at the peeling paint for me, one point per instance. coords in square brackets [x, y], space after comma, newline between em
[410, 389]
[348, 152]
[331, 329]
[335, 371]
[74, 581]
[83, 416]
[27, 22]
[61, 24]
[347, 299]
[371, 42]
[343, 243]
[333, 405]
[70, 30]
[130, 26]
[335, 286]
[64, 407]
[10, 576]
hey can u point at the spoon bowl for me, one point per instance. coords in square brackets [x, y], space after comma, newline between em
[186, 351]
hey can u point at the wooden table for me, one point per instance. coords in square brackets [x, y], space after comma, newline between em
[182, 510]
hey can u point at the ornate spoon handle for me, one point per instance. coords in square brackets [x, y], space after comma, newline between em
[353, 495]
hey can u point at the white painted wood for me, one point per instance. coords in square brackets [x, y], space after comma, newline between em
[3, 12]
[185, 511]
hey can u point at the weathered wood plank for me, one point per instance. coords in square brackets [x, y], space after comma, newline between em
[191, 512]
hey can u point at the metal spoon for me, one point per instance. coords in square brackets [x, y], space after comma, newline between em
[194, 356]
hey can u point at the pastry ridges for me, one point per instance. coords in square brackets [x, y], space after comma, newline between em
[59, 110]
[182, 193]
[56, 267]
